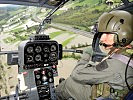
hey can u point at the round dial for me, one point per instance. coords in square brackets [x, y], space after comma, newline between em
[44, 78]
[53, 48]
[38, 49]
[49, 74]
[38, 82]
[46, 49]
[38, 57]
[29, 58]
[38, 76]
[45, 55]
[53, 56]
[51, 80]
[46, 61]
[30, 50]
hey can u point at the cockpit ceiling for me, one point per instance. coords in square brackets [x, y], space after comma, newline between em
[40, 3]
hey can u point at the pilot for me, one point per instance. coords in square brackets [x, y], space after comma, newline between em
[106, 79]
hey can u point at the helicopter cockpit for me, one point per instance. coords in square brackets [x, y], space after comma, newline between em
[37, 58]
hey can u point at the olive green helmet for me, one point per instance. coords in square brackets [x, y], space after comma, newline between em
[120, 23]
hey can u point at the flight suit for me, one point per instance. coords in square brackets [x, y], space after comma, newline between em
[86, 73]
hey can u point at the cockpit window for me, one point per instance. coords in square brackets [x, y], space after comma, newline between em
[73, 26]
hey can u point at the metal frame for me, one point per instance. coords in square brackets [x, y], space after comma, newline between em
[49, 15]
[27, 3]
[127, 7]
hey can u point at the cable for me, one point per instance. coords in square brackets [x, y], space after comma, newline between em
[126, 72]
[49, 15]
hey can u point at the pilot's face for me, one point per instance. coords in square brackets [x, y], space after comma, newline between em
[107, 40]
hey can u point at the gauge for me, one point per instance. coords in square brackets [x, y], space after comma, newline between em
[30, 49]
[38, 82]
[53, 56]
[49, 74]
[45, 55]
[44, 78]
[29, 58]
[51, 80]
[46, 49]
[38, 76]
[46, 61]
[53, 48]
[38, 49]
[38, 57]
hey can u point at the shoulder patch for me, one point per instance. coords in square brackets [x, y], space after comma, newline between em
[101, 66]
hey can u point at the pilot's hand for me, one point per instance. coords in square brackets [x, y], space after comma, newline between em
[87, 54]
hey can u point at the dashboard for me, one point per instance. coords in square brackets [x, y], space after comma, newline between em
[41, 53]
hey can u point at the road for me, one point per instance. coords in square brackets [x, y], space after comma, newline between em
[71, 29]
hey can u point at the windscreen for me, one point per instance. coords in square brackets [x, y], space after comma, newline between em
[72, 26]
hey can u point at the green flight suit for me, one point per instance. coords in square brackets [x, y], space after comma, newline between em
[87, 73]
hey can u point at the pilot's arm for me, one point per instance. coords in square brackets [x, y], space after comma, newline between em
[87, 72]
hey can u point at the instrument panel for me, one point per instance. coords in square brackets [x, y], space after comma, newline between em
[45, 83]
[40, 54]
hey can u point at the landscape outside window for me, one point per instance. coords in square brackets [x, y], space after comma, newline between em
[17, 23]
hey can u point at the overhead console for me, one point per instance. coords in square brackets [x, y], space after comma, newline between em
[41, 3]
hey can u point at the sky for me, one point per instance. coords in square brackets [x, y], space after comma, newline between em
[3, 5]
[11, 5]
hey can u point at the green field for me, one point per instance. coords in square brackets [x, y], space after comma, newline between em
[54, 34]
[67, 41]
[83, 13]
[86, 2]
[81, 17]
[12, 40]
